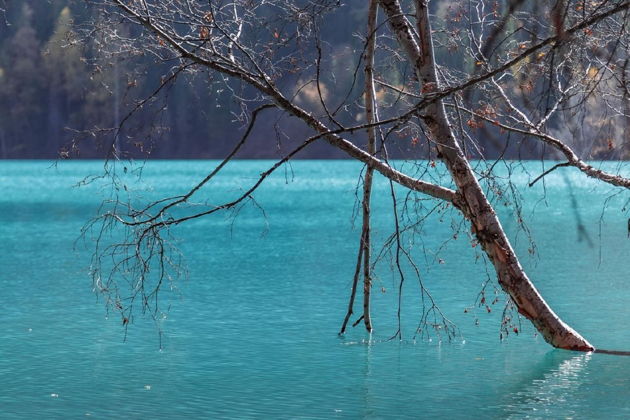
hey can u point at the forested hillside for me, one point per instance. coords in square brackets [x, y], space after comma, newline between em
[63, 91]
[65, 88]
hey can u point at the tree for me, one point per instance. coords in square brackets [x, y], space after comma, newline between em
[23, 85]
[68, 76]
[530, 79]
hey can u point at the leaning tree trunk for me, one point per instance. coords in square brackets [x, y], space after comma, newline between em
[474, 204]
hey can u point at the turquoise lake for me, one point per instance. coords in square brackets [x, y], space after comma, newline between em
[252, 330]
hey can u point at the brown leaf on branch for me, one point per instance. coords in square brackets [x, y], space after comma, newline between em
[204, 33]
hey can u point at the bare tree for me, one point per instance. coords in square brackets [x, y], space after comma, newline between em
[461, 79]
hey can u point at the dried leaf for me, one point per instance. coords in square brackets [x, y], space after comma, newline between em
[204, 33]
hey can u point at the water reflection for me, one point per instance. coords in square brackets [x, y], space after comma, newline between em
[368, 391]
[552, 392]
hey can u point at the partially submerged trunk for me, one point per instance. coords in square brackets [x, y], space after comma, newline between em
[371, 149]
[364, 253]
[474, 204]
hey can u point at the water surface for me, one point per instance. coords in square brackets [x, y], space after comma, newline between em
[252, 331]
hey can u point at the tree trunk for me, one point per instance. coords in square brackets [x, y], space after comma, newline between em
[371, 149]
[475, 206]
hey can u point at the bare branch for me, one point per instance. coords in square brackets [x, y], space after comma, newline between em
[572, 158]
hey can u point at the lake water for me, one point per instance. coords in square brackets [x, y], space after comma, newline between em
[252, 331]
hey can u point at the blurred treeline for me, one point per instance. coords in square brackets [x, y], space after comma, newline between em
[62, 92]
[64, 87]
[44, 87]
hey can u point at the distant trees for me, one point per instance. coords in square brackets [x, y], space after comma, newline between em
[71, 90]
[45, 85]
[68, 79]
[23, 83]
[58, 90]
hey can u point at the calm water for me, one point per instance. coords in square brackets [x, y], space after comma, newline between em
[252, 332]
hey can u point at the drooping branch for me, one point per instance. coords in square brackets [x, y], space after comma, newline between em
[548, 171]
[182, 199]
[559, 145]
